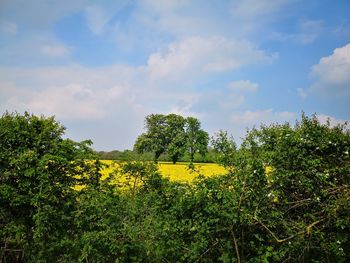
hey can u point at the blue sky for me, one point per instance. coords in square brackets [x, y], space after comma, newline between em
[101, 66]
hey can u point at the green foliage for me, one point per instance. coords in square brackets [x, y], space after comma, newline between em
[136, 173]
[38, 170]
[307, 188]
[155, 139]
[172, 135]
[176, 136]
[225, 148]
[196, 138]
[286, 199]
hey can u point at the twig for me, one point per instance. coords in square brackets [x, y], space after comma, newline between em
[205, 252]
[307, 229]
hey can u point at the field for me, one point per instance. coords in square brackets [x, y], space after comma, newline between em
[176, 172]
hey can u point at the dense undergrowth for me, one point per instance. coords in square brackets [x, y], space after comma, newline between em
[297, 212]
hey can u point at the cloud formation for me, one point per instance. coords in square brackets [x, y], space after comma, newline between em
[102, 66]
[55, 50]
[200, 55]
[8, 27]
[332, 74]
[243, 86]
[258, 117]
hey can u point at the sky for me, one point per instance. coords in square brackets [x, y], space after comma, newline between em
[100, 67]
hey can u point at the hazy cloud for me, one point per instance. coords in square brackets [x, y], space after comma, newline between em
[243, 86]
[8, 27]
[306, 32]
[55, 50]
[249, 9]
[97, 19]
[302, 93]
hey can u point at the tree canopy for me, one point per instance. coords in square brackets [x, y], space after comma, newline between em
[172, 134]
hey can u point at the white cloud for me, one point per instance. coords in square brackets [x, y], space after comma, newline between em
[201, 55]
[332, 74]
[323, 118]
[243, 86]
[73, 101]
[9, 27]
[55, 50]
[78, 94]
[255, 118]
[69, 92]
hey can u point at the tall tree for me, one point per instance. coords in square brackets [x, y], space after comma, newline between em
[164, 134]
[155, 138]
[176, 136]
[196, 138]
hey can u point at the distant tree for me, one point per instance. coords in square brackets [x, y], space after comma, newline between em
[176, 136]
[196, 138]
[155, 138]
[164, 134]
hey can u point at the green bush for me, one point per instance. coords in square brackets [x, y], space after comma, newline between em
[285, 199]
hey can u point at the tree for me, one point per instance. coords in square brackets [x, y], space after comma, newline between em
[196, 138]
[38, 173]
[155, 139]
[164, 134]
[176, 136]
[225, 147]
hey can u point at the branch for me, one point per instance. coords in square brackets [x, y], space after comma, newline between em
[307, 230]
[206, 251]
[236, 246]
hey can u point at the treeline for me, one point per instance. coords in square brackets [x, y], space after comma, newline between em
[210, 156]
[174, 138]
[286, 198]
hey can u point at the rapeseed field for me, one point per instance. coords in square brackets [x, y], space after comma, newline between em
[175, 172]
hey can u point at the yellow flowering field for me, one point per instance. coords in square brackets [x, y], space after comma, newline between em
[175, 172]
